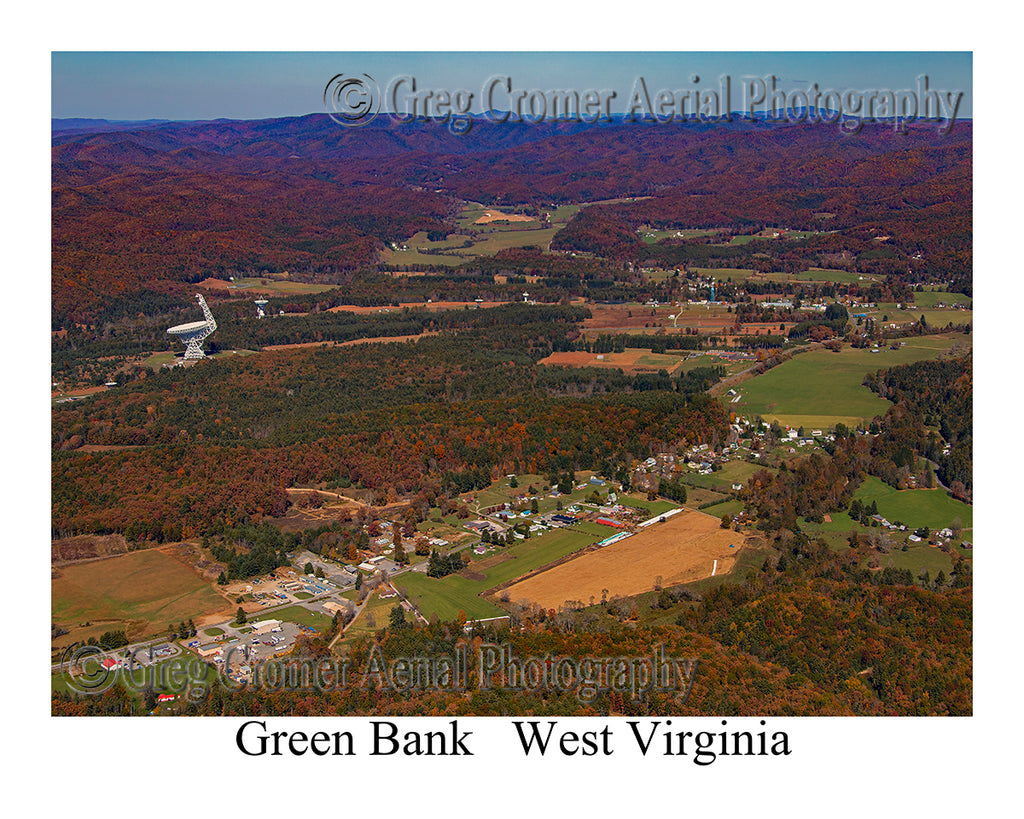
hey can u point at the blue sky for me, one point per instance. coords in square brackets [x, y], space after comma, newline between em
[244, 85]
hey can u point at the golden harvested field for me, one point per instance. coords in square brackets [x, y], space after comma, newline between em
[682, 549]
[492, 215]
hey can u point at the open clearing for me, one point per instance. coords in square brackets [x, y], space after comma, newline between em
[142, 591]
[269, 287]
[433, 306]
[821, 388]
[682, 549]
[632, 360]
[488, 237]
[445, 596]
[494, 215]
[916, 507]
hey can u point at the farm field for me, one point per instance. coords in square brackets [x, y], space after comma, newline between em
[640, 318]
[682, 549]
[445, 596]
[563, 213]
[729, 507]
[916, 507]
[933, 316]
[927, 299]
[818, 274]
[490, 237]
[270, 287]
[821, 388]
[142, 592]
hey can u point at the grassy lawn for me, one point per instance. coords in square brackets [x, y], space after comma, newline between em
[915, 507]
[722, 480]
[303, 596]
[841, 522]
[157, 360]
[655, 507]
[302, 616]
[819, 388]
[447, 595]
[213, 632]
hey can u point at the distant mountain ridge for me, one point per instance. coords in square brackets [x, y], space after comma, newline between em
[174, 201]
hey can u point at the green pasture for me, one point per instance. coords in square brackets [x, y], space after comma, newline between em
[887, 313]
[652, 508]
[917, 559]
[915, 507]
[280, 287]
[445, 596]
[820, 388]
[927, 299]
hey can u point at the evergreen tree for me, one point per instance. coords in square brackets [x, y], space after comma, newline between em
[396, 619]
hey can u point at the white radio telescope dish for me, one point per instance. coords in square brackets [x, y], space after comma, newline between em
[195, 332]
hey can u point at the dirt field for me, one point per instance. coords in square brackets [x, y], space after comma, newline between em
[682, 549]
[630, 361]
[86, 547]
[493, 215]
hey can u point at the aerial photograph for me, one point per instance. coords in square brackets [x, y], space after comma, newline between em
[536, 385]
